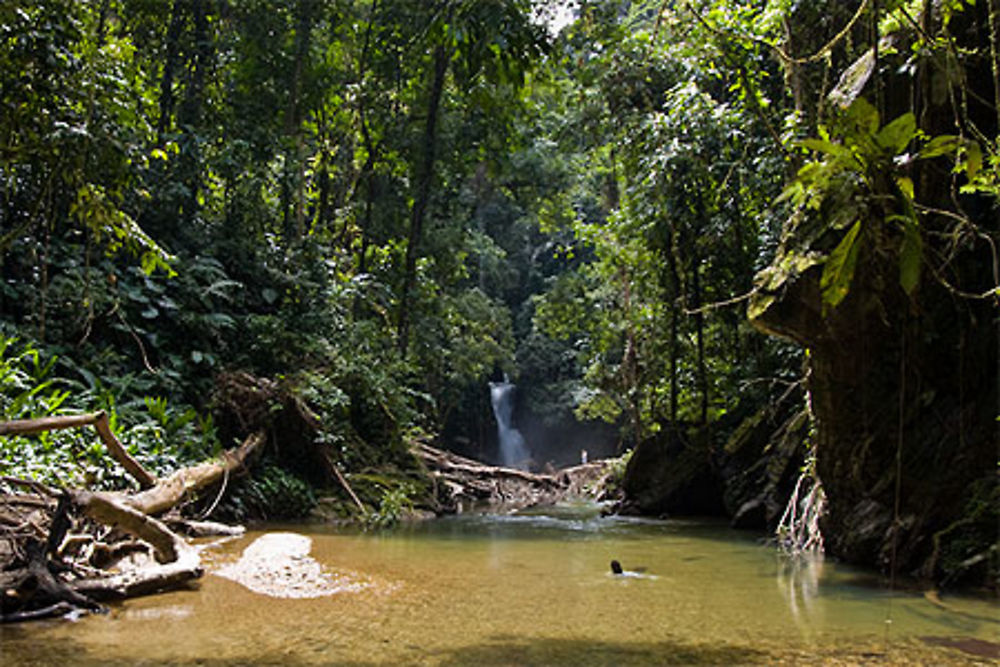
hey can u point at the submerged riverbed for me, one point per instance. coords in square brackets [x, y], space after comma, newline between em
[531, 588]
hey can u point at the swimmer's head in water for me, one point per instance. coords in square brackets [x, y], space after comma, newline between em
[616, 567]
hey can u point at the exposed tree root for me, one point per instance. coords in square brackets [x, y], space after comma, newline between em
[798, 531]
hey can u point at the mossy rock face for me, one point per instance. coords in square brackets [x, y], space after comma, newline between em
[672, 473]
[968, 550]
[744, 467]
[889, 375]
[761, 461]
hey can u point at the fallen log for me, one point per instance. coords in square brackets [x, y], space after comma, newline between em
[32, 426]
[111, 511]
[193, 528]
[465, 480]
[38, 592]
[178, 561]
[144, 580]
[167, 493]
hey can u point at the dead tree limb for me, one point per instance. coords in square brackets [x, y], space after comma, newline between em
[466, 480]
[99, 420]
[178, 561]
[31, 426]
[52, 611]
[120, 454]
[193, 528]
[36, 588]
[169, 492]
[42, 584]
[332, 467]
[111, 510]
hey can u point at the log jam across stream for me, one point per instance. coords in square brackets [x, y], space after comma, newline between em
[532, 587]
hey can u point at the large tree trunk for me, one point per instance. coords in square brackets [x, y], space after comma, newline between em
[631, 385]
[699, 324]
[294, 212]
[169, 66]
[422, 199]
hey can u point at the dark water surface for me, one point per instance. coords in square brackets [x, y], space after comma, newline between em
[531, 588]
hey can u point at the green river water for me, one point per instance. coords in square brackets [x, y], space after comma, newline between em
[529, 589]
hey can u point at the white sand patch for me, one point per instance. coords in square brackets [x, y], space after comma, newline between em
[279, 565]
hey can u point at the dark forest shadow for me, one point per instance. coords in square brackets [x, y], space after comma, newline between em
[517, 651]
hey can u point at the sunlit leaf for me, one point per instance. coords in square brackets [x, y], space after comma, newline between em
[973, 159]
[940, 145]
[895, 136]
[822, 146]
[838, 272]
[905, 186]
[862, 115]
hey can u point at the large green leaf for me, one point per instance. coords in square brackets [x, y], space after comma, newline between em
[824, 146]
[896, 135]
[940, 145]
[838, 272]
[862, 116]
[973, 159]
[911, 253]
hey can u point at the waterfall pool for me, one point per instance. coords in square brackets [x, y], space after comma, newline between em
[529, 588]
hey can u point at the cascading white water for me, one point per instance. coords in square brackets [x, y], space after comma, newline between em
[513, 450]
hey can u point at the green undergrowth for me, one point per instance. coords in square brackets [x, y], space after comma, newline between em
[164, 436]
[269, 493]
[35, 383]
[389, 496]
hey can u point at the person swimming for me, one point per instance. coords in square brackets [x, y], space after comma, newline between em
[638, 573]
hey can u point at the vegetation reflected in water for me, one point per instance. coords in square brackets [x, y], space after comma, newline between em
[528, 588]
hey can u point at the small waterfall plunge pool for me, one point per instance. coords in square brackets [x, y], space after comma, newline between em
[529, 588]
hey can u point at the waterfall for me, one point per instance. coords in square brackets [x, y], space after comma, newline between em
[513, 452]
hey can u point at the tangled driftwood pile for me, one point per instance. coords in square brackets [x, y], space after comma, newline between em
[66, 550]
[463, 482]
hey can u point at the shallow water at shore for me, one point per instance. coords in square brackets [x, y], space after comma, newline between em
[532, 588]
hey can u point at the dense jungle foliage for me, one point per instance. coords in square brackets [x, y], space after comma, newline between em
[382, 205]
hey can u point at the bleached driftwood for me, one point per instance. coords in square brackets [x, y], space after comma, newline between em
[167, 493]
[465, 480]
[47, 584]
